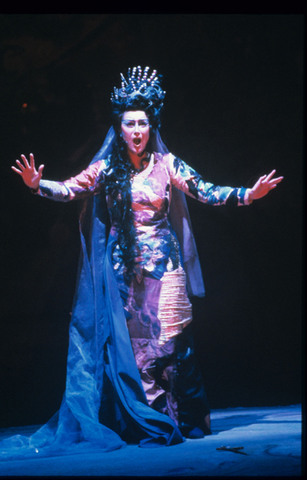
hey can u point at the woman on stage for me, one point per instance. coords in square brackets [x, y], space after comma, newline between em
[131, 369]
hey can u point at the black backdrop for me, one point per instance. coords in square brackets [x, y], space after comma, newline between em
[233, 111]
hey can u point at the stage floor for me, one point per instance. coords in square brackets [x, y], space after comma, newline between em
[271, 437]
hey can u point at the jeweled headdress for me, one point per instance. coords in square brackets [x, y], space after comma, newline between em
[139, 91]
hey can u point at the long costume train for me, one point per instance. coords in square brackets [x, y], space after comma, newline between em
[105, 400]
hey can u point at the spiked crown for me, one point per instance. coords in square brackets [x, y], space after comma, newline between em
[139, 91]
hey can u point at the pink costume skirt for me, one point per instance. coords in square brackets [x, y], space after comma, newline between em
[158, 311]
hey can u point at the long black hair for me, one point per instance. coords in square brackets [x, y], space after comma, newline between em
[118, 187]
[148, 98]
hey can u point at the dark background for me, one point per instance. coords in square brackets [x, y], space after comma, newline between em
[233, 111]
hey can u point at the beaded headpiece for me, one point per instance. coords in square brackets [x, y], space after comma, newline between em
[138, 82]
[139, 90]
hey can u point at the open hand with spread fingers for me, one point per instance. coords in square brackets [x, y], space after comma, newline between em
[28, 172]
[263, 185]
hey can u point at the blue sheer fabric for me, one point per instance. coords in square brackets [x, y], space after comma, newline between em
[104, 402]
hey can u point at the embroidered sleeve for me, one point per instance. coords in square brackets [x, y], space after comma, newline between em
[190, 182]
[86, 183]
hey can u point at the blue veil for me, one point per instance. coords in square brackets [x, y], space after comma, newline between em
[104, 404]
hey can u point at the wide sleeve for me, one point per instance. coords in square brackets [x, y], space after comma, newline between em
[86, 183]
[190, 182]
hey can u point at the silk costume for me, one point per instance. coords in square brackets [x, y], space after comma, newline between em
[109, 359]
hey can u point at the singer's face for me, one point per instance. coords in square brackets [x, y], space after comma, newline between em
[135, 130]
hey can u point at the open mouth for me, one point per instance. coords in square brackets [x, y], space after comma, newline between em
[136, 141]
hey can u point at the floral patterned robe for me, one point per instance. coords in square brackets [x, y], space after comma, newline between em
[156, 303]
